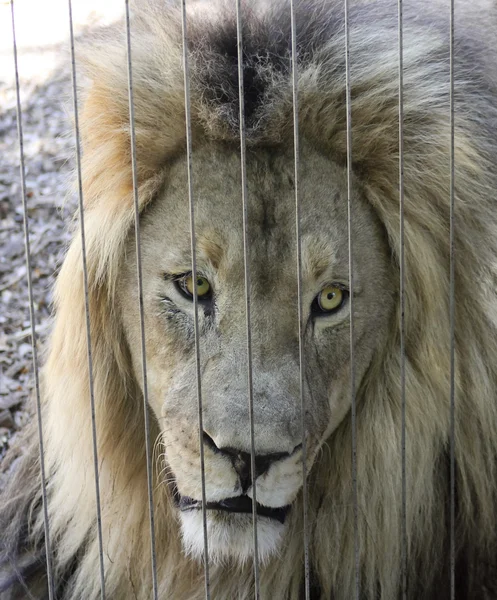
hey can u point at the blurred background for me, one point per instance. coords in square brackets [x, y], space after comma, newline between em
[42, 35]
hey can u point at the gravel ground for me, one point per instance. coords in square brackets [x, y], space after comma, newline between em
[48, 153]
[49, 158]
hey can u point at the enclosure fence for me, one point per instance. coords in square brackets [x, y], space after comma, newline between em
[246, 245]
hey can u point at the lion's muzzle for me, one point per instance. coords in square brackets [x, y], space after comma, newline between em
[243, 465]
[229, 491]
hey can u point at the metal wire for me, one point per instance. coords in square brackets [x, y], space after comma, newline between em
[87, 309]
[22, 168]
[351, 297]
[246, 241]
[140, 301]
[452, 316]
[307, 586]
[402, 303]
[188, 122]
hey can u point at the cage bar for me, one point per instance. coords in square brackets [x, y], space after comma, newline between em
[351, 297]
[140, 302]
[77, 139]
[403, 541]
[246, 242]
[193, 246]
[22, 169]
[452, 307]
[296, 148]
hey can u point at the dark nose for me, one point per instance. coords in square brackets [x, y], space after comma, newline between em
[242, 462]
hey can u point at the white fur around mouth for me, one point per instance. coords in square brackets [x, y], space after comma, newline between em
[230, 536]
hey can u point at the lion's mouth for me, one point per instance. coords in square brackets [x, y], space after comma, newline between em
[239, 504]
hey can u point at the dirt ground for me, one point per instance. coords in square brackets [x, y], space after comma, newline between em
[42, 32]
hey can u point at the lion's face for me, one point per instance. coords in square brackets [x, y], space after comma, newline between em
[170, 334]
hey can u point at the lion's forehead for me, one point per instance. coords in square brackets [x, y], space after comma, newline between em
[271, 217]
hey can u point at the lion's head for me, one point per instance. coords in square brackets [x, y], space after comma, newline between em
[357, 520]
[170, 333]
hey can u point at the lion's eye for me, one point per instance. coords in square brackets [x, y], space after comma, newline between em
[185, 284]
[329, 300]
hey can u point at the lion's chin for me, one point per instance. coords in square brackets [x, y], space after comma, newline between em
[230, 536]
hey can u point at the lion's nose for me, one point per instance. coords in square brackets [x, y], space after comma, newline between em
[242, 462]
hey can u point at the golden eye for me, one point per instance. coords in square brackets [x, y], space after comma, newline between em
[329, 299]
[203, 286]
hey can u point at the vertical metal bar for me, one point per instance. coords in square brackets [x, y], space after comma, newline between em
[87, 308]
[246, 241]
[140, 299]
[351, 298]
[402, 303]
[296, 149]
[48, 550]
[188, 123]
[452, 316]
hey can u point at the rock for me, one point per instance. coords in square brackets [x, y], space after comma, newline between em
[6, 420]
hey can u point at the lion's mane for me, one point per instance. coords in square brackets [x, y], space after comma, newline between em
[109, 216]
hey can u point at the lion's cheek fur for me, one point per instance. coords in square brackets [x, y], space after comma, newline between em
[281, 484]
[183, 460]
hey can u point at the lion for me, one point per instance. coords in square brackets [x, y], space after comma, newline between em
[356, 524]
